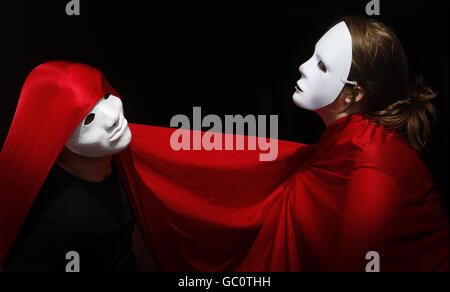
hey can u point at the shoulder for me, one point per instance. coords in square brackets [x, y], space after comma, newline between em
[382, 148]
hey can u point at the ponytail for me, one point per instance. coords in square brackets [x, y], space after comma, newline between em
[411, 117]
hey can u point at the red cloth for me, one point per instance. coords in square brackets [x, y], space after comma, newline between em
[316, 208]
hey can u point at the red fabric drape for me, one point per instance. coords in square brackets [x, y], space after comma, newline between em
[316, 208]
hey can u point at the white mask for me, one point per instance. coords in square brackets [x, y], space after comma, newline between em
[325, 74]
[103, 132]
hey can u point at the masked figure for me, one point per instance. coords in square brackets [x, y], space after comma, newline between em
[81, 204]
[324, 207]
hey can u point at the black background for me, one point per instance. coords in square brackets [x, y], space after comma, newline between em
[228, 58]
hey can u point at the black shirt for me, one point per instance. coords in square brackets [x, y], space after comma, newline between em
[70, 214]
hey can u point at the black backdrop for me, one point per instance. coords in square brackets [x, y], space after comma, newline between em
[228, 58]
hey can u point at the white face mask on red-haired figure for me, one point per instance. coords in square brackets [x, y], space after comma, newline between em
[103, 132]
[325, 74]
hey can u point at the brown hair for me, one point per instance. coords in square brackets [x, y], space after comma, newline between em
[380, 67]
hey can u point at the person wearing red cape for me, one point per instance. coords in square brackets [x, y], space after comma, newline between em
[361, 190]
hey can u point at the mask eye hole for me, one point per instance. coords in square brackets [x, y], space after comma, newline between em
[106, 96]
[89, 119]
[322, 67]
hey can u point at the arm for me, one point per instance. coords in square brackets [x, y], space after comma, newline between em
[39, 247]
[144, 259]
[366, 219]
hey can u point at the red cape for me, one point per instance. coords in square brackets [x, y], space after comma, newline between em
[316, 208]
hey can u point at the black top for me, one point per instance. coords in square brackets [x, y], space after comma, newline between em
[70, 214]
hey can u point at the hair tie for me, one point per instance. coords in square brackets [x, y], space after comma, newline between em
[353, 83]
